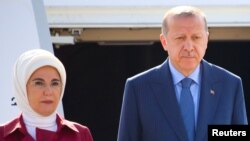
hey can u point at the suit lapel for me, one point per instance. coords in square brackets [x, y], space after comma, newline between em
[209, 96]
[208, 100]
[165, 94]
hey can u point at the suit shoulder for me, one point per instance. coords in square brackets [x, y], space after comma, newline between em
[145, 75]
[224, 73]
[9, 126]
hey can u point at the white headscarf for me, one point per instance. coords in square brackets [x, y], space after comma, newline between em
[26, 64]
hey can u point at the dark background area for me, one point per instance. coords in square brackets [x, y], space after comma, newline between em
[96, 76]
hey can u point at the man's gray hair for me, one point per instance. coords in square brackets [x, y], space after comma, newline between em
[182, 11]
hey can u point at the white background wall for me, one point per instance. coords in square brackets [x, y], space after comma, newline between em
[140, 13]
[142, 2]
[23, 26]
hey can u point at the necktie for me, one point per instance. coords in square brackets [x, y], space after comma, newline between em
[187, 108]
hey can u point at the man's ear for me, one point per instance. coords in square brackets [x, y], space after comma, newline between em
[208, 36]
[163, 41]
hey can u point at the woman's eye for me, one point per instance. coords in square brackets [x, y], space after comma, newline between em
[39, 84]
[56, 84]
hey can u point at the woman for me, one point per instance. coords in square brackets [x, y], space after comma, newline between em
[39, 80]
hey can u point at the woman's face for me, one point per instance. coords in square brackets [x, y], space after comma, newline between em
[44, 89]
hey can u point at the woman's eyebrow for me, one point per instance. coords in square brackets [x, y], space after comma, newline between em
[36, 79]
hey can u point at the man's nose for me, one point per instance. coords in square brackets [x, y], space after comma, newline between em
[188, 45]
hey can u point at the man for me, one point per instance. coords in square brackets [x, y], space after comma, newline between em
[152, 108]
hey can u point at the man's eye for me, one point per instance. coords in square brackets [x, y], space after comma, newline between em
[196, 37]
[180, 38]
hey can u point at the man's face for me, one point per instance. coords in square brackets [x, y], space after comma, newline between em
[185, 42]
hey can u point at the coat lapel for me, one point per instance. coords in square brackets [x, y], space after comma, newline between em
[165, 94]
[208, 100]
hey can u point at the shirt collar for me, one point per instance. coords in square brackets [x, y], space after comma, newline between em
[177, 76]
[62, 123]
